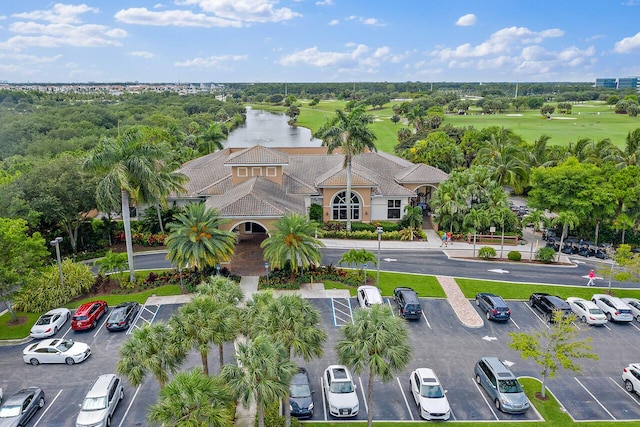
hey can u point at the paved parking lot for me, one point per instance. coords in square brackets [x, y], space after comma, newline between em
[438, 340]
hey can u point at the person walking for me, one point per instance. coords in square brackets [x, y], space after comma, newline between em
[444, 239]
[449, 235]
[592, 277]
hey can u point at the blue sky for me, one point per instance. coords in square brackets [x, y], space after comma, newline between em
[318, 40]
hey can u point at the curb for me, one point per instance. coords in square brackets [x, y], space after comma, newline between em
[18, 341]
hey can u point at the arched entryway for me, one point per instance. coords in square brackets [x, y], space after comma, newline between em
[248, 259]
[423, 199]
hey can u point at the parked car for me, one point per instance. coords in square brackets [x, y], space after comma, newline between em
[613, 307]
[88, 314]
[50, 323]
[19, 408]
[369, 295]
[56, 350]
[300, 395]
[501, 385]
[340, 392]
[122, 316]
[631, 378]
[428, 394]
[100, 402]
[548, 304]
[408, 303]
[493, 306]
[587, 311]
[634, 304]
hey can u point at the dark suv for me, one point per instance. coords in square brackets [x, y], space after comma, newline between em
[494, 306]
[548, 304]
[408, 303]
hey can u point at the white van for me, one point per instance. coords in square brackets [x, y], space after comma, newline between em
[101, 402]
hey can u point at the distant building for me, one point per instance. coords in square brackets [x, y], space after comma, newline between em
[620, 83]
[607, 83]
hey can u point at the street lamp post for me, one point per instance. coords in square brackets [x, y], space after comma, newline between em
[266, 268]
[218, 269]
[365, 273]
[379, 230]
[56, 242]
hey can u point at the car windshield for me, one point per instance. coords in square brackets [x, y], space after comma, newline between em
[64, 345]
[117, 315]
[300, 390]
[94, 403]
[341, 387]
[595, 311]
[9, 411]
[44, 320]
[432, 391]
[509, 386]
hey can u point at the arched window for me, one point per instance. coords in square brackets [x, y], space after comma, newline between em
[339, 206]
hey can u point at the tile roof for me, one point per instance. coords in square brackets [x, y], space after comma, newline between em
[421, 174]
[258, 155]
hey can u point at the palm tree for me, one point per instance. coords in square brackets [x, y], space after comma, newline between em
[193, 399]
[413, 218]
[569, 220]
[623, 222]
[112, 261]
[507, 163]
[501, 215]
[537, 217]
[351, 134]
[263, 373]
[196, 240]
[478, 218]
[150, 349]
[376, 342]
[416, 117]
[221, 289]
[201, 322]
[293, 322]
[211, 139]
[357, 257]
[134, 169]
[293, 241]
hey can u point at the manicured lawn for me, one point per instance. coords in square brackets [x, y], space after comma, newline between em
[425, 286]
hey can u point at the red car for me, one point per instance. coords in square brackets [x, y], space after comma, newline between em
[88, 314]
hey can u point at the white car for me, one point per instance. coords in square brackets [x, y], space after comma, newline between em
[587, 311]
[340, 392]
[56, 351]
[614, 308]
[369, 295]
[429, 395]
[635, 307]
[50, 323]
[631, 378]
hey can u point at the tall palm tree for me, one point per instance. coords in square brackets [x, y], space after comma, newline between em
[193, 399]
[502, 216]
[221, 289]
[376, 342]
[357, 257]
[293, 240]
[351, 134]
[508, 162]
[211, 139]
[150, 350]
[537, 217]
[478, 218]
[134, 169]
[569, 220]
[413, 217]
[201, 322]
[263, 373]
[196, 239]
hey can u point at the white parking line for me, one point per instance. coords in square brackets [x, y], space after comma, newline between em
[631, 396]
[364, 400]
[100, 326]
[606, 326]
[426, 320]
[535, 313]
[490, 405]
[124, 417]
[514, 322]
[135, 320]
[595, 399]
[65, 334]
[405, 399]
[324, 401]
[634, 326]
[49, 406]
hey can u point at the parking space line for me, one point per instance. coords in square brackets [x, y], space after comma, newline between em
[426, 320]
[364, 399]
[149, 322]
[124, 417]
[100, 326]
[405, 399]
[339, 308]
[324, 402]
[606, 326]
[535, 313]
[595, 399]
[631, 395]
[514, 322]
[65, 334]
[490, 405]
[135, 320]
[576, 325]
[389, 304]
[631, 323]
[48, 406]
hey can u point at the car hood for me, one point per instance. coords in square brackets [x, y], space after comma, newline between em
[435, 406]
[77, 348]
[91, 417]
[9, 422]
[515, 398]
[300, 402]
[343, 400]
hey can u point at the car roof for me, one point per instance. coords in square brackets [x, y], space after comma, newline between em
[301, 377]
[51, 342]
[19, 396]
[427, 376]
[339, 372]
[101, 385]
[586, 302]
[86, 305]
[371, 292]
[498, 366]
[635, 366]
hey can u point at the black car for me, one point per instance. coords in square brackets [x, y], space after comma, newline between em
[122, 316]
[493, 306]
[548, 304]
[408, 303]
[300, 399]
[18, 409]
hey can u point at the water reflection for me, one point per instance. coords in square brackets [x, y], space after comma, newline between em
[270, 130]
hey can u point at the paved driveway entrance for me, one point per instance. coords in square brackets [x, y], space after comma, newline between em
[248, 259]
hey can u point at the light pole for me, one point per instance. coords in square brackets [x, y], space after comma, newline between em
[56, 242]
[218, 269]
[181, 285]
[379, 230]
[266, 267]
[365, 273]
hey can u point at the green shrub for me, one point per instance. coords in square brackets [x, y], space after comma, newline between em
[361, 226]
[315, 213]
[546, 254]
[272, 417]
[514, 256]
[487, 252]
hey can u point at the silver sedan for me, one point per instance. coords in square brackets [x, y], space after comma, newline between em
[587, 311]
[50, 323]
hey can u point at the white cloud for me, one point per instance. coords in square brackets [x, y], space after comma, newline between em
[334, 22]
[211, 62]
[467, 20]
[360, 58]
[366, 21]
[60, 13]
[325, 3]
[142, 54]
[628, 44]
[245, 10]
[55, 35]
[178, 18]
